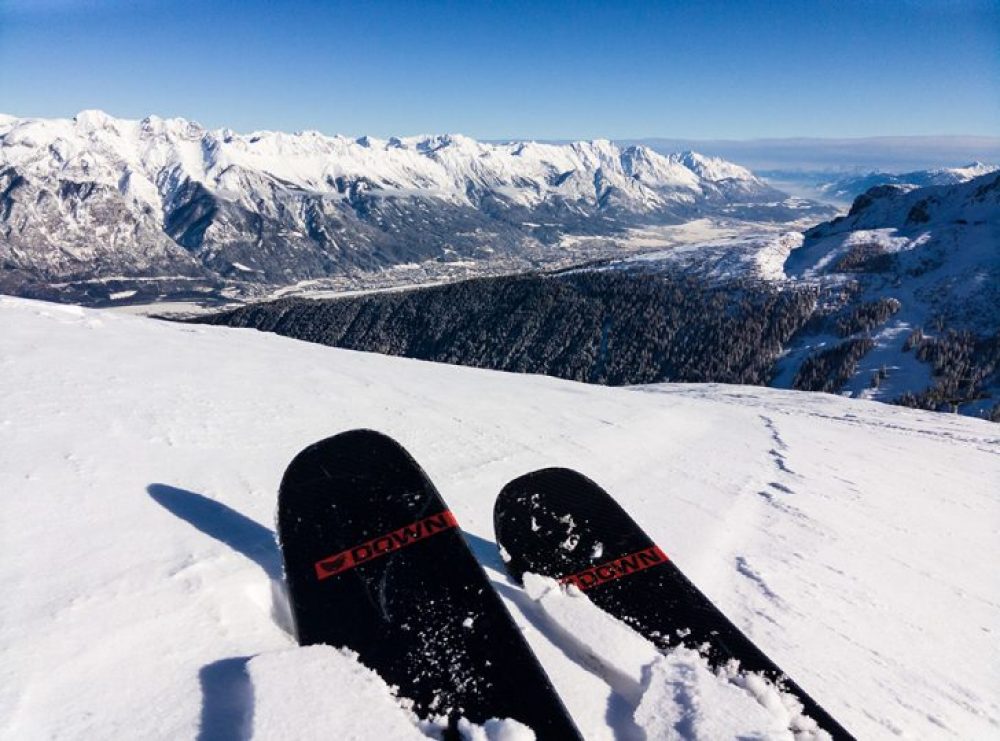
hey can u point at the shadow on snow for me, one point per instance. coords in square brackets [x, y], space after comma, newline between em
[227, 693]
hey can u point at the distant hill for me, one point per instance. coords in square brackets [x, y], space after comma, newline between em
[851, 186]
[887, 153]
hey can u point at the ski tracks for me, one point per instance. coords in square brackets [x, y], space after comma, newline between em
[762, 525]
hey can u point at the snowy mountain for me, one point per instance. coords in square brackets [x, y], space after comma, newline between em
[848, 187]
[89, 201]
[907, 297]
[938, 243]
[855, 543]
[917, 279]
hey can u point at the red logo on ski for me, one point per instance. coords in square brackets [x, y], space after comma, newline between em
[617, 568]
[385, 544]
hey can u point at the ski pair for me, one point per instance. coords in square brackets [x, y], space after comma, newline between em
[375, 562]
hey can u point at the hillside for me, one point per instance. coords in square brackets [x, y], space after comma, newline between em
[612, 327]
[849, 187]
[896, 301]
[919, 278]
[139, 461]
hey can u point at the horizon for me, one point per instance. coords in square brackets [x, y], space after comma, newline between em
[985, 139]
[802, 154]
[512, 71]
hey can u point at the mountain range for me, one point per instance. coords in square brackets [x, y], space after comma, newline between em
[897, 300]
[95, 205]
[820, 154]
[851, 186]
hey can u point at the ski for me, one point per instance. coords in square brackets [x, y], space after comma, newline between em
[375, 562]
[558, 523]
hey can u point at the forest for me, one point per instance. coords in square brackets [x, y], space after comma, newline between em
[622, 327]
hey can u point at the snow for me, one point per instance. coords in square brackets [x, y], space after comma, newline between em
[97, 195]
[855, 543]
[672, 696]
[853, 185]
[756, 255]
[711, 168]
[148, 159]
[282, 685]
[945, 267]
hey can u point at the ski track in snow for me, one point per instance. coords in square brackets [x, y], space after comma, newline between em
[854, 542]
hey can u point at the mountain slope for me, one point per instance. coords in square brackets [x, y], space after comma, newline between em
[851, 186]
[916, 275]
[854, 542]
[615, 327]
[95, 199]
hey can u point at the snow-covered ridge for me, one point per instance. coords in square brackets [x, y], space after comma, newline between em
[930, 257]
[974, 202]
[851, 186]
[146, 158]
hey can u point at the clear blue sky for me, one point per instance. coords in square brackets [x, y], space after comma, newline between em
[540, 69]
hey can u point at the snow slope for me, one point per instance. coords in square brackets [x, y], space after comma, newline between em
[139, 461]
[935, 250]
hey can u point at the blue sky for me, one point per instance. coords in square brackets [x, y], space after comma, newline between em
[702, 70]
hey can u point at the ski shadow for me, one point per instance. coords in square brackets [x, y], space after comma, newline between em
[239, 532]
[227, 700]
[227, 693]
[486, 552]
[626, 692]
[223, 523]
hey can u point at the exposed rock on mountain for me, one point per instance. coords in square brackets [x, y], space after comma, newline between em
[916, 276]
[89, 205]
[937, 247]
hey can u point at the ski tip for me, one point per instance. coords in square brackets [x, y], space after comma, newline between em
[552, 476]
[360, 435]
[550, 480]
[358, 440]
[349, 453]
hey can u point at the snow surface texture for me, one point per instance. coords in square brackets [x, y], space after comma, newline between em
[280, 701]
[139, 462]
[761, 256]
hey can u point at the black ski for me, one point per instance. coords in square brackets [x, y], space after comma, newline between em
[375, 561]
[558, 523]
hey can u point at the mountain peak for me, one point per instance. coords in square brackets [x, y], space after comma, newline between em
[92, 118]
[712, 168]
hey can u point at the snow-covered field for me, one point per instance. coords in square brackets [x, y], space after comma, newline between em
[856, 543]
[759, 256]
